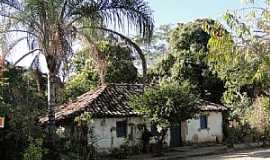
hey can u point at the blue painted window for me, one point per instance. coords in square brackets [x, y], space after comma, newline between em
[154, 130]
[121, 129]
[203, 121]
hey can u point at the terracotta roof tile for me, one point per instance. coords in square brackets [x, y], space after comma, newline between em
[209, 106]
[109, 101]
[106, 100]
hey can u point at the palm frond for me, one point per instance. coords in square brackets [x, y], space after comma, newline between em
[135, 13]
[11, 3]
[130, 43]
[13, 44]
[35, 64]
[25, 55]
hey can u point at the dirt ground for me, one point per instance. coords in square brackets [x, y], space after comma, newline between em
[254, 154]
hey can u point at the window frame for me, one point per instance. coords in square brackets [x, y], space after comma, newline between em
[154, 130]
[121, 129]
[203, 121]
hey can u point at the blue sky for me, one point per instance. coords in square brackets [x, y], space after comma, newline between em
[175, 11]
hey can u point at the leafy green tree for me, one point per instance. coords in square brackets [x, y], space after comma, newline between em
[119, 59]
[188, 60]
[158, 46]
[85, 78]
[191, 36]
[120, 68]
[166, 104]
[78, 84]
[52, 25]
[21, 104]
[240, 59]
[259, 115]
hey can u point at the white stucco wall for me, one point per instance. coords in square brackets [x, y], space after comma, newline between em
[105, 131]
[213, 132]
[106, 135]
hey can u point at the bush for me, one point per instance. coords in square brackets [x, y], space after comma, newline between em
[124, 151]
[34, 151]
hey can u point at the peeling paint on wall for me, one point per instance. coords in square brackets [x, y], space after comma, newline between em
[213, 133]
[105, 130]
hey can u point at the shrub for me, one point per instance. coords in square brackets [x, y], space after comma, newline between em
[124, 151]
[34, 151]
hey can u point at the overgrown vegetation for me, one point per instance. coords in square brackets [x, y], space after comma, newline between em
[167, 104]
[118, 67]
[188, 63]
[187, 60]
[49, 28]
[241, 59]
[21, 103]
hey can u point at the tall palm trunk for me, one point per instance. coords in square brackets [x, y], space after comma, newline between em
[2, 63]
[51, 108]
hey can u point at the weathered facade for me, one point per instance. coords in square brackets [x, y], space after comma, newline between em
[115, 123]
[194, 132]
[106, 131]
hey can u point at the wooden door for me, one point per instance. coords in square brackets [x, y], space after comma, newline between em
[175, 136]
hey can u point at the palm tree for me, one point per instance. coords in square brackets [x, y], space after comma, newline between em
[51, 26]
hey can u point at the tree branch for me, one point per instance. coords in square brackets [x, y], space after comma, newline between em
[25, 55]
[12, 45]
[18, 30]
[133, 44]
[128, 40]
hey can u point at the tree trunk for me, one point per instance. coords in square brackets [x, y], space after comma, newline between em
[2, 64]
[51, 109]
[83, 142]
[161, 140]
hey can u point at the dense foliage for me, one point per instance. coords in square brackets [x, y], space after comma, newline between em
[119, 67]
[188, 60]
[158, 46]
[49, 28]
[21, 104]
[241, 59]
[167, 104]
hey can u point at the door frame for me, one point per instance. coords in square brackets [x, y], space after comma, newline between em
[175, 131]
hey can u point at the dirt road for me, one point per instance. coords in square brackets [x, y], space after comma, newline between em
[255, 154]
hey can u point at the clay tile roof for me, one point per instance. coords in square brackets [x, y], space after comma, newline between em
[106, 101]
[109, 101]
[209, 106]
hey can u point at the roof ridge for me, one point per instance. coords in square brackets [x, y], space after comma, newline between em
[106, 100]
[101, 87]
[125, 84]
[210, 102]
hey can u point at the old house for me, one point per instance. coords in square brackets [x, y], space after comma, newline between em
[115, 122]
[206, 126]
